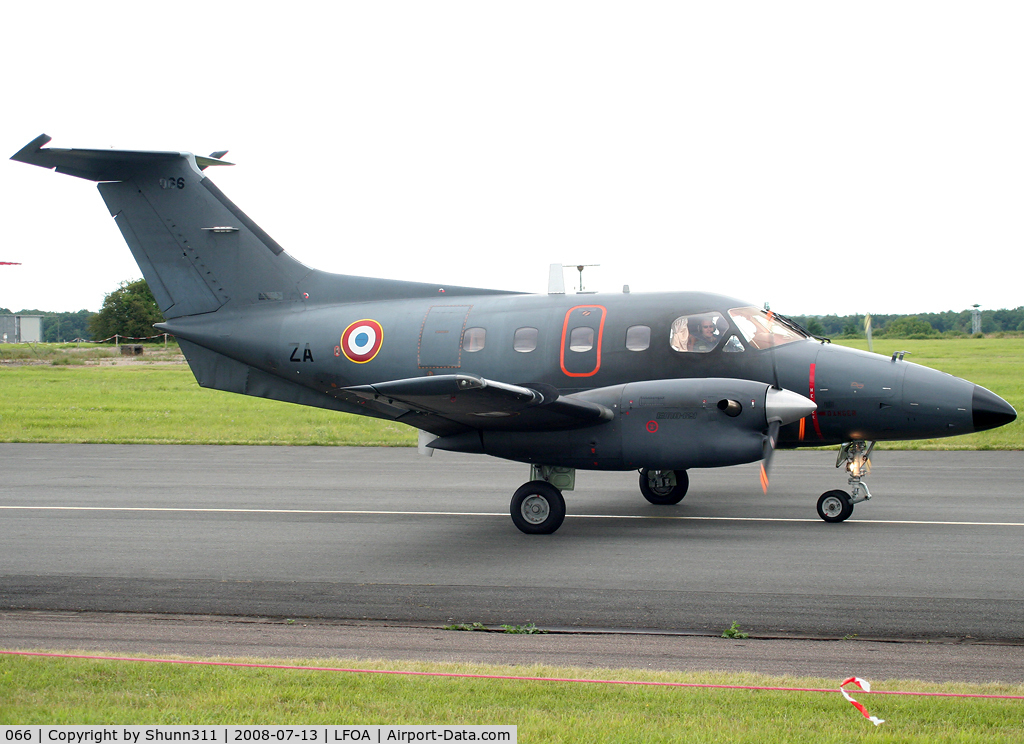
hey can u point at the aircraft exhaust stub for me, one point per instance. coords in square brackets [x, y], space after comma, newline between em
[660, 382]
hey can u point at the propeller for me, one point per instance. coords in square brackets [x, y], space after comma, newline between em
[772, 435]
[768, 451]
[781, 406]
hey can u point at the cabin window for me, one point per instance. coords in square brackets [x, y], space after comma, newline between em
[473, 339]
[525, 339]
[698, 333]
[762, 331]
[581, 339]
[638, 338]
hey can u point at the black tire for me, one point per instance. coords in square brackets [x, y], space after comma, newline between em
[537, 508]
[835, 506]
[664, 495]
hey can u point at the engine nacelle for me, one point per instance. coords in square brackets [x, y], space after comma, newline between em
[694, 423]
[660, 424]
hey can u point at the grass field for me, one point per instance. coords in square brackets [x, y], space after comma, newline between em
[72, 691]
[162, 404]
[65, 401]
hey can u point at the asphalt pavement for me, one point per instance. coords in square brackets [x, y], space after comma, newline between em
[332, 537]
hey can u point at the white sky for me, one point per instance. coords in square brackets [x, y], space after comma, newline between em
[827, 157]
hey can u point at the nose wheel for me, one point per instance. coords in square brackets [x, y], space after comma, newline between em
[835, 506]
[537, 508]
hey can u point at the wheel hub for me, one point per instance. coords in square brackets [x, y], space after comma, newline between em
[661, 481]
[535, 509]
[832, 506]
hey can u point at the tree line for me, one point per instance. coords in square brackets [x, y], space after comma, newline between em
[950, 323]
[130, 310]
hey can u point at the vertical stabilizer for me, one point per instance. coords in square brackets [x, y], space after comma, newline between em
[196, 249]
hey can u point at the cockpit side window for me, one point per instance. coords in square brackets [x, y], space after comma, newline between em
[733, 345]
[763, 332]
[699, 333]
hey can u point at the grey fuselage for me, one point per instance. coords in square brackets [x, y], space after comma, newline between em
[598, 381]
[859, 395]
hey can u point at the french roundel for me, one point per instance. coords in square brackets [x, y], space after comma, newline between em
[362, 340]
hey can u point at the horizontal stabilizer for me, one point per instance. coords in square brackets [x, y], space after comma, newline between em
[101, 165]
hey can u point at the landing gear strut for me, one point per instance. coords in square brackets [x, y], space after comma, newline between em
[664, 487]
[837, 506]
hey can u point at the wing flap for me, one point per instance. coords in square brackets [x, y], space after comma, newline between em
[487, 404]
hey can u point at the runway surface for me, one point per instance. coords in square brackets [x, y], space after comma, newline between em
[387, 535]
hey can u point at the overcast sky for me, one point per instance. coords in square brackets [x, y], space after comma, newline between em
[826, 157]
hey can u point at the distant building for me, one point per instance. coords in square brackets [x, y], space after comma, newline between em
[21, 329]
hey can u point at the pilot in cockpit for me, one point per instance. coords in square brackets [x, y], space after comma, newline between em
[696, 333]
[704, 335]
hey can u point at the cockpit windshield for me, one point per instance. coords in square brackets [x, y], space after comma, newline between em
[763, 331]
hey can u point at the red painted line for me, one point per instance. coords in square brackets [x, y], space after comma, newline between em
[814, 414]
[197, 662]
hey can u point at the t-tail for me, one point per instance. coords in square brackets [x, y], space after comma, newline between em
[197, 250]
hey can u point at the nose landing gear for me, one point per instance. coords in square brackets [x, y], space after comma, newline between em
[837, 506]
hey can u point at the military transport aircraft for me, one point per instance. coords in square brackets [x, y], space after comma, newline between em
[654, 382]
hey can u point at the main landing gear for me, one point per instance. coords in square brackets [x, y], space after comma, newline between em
[538, 507]
[837, 506]
[664, 487]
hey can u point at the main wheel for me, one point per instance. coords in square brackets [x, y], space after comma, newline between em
[664, 487]
[835, 506]
[538, 508]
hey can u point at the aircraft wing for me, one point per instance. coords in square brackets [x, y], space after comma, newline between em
[478, 403]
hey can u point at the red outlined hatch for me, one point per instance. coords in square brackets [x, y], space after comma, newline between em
[582, 334]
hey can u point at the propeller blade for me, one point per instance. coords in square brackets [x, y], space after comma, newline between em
[770, 440]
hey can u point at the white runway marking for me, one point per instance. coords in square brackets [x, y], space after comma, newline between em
[171, 509]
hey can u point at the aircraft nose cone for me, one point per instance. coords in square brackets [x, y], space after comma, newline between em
[989, 410]
[785, 406]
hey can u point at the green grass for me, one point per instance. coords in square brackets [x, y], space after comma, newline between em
[76, 353]
[59, 400]
[37, 690]
[162, 404]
